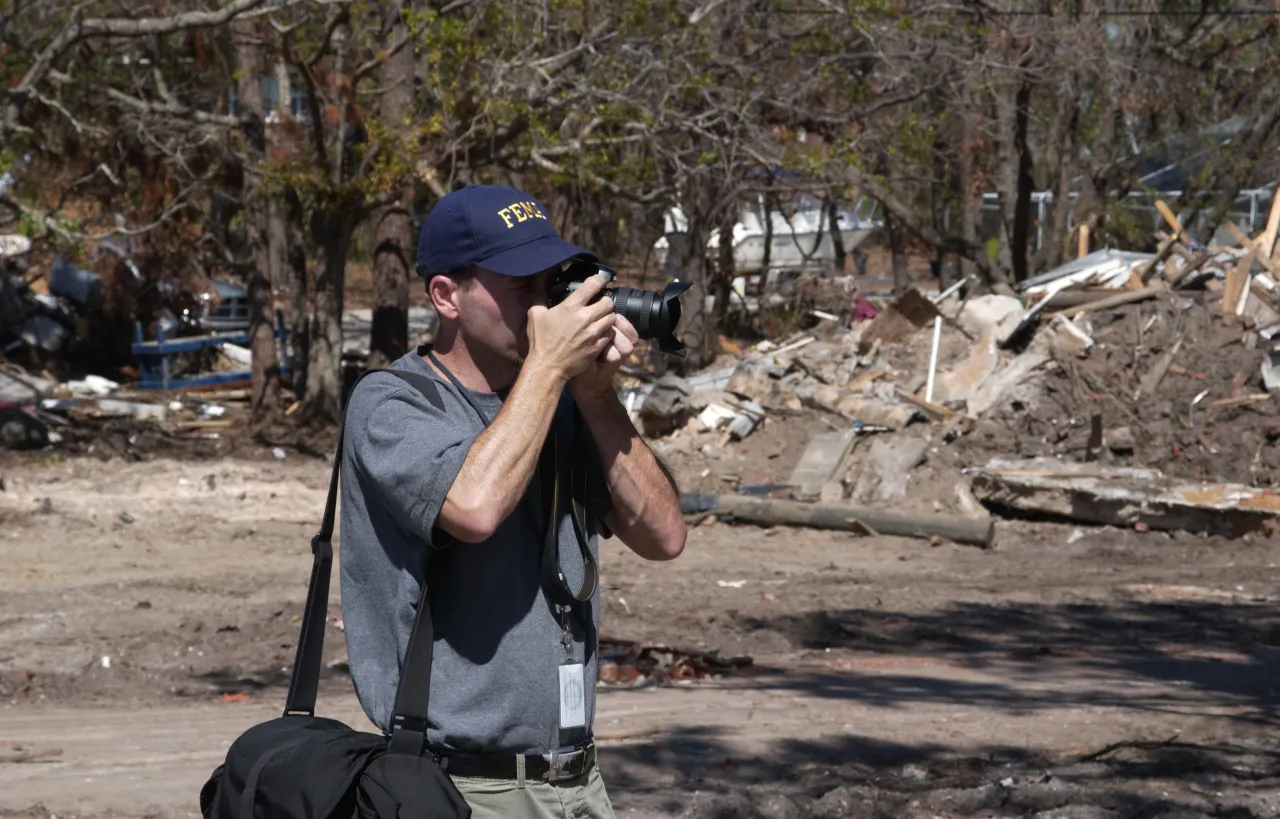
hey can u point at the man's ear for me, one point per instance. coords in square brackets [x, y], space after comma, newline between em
[443, 292]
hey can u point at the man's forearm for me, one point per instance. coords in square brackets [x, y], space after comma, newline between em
[502, 459]
[646, 503]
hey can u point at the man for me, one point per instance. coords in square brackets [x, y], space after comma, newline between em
[456, 498]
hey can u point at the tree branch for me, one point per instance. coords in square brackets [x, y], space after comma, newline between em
[78, 29]
[371, 65]
[173, 109]
[339, 16]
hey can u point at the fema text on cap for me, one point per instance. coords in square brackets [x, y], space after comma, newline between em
[522, 211]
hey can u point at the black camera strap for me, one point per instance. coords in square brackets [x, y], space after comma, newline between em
[549, 497]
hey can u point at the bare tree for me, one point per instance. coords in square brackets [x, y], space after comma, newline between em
[393, 251]
[255, 200]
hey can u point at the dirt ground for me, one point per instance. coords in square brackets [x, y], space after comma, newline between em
[148, 612]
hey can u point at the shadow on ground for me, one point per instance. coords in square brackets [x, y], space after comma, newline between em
[1137, 655]
[693, 773]
[1189, 658]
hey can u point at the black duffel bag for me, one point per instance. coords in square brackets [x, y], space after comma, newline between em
[300, 766]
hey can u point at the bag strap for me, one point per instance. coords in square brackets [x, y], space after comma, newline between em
[304, 682]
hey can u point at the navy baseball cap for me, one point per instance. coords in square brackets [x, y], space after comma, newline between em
[495, 228]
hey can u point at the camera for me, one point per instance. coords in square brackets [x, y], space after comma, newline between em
[653, 314]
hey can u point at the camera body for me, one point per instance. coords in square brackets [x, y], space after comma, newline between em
[653, 314]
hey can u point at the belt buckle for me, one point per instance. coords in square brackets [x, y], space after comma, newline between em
[565, 766]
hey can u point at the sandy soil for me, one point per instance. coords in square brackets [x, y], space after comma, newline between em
[891, 677]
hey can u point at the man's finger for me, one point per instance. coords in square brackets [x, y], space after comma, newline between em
[628, 329]
[587, 290]
[602, 328]
[601, 308]
[624, 345]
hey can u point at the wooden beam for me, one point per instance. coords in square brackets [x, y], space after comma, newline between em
[1267, 240]
[1169, 216]
[1237, 283]
[1249, 244]
[1119, 300]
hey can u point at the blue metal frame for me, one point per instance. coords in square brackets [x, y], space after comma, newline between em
[153, 359]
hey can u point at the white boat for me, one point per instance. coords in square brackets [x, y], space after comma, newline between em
[801, 240]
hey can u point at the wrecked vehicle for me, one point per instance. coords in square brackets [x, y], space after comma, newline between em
[36, 328]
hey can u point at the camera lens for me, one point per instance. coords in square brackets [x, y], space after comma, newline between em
[653, 314]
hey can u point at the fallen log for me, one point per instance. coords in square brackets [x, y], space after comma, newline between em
[1113, 496]
[977, 531]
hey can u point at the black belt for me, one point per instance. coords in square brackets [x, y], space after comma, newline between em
[549, 767]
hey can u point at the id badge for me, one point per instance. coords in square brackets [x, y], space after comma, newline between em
[573, 696]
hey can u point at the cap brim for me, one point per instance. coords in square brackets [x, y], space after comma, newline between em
[534, 257]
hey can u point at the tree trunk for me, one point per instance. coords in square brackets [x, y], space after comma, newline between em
[1015, 180]
[1025, 183]
[837, 237]
[695, 322]
[283, 283]
[970, 208]
[770, 205]
[393, 235]
[265, 367]
[724, 270]
[1067, 131]
[897, 249]
[298, 315]
[938, 189]
[1007, 177]
[331, 229]
[278, 271]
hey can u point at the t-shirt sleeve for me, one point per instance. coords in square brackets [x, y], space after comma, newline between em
[409, 452]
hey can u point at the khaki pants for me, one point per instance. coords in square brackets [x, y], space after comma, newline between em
[581, 798]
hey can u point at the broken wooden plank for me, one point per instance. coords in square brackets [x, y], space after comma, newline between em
[1240, 400]
[1268, 238]
[1119, 300]
[1249, 244]
[821, 460]
[1119, 496]
[1064, 300]
[977, 531]
[1148, 268]
[1179, 232]
[866, 378]
[935, 412]
[1236, 285]
[1151, 381]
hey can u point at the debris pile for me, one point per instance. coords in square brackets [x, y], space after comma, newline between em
[631, 664]
[97, 416]
[1155, 373]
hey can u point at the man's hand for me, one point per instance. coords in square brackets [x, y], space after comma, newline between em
[597, 378]
[568, 337]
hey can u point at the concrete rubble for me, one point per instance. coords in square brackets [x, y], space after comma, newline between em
[1150, 371]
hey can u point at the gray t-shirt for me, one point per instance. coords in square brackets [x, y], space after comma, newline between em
[498, 637]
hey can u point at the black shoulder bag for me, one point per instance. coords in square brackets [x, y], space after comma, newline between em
[300, 766]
